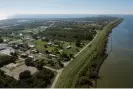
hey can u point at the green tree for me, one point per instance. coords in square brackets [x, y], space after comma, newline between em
[78, 43]
[1, 40]
[25, 74]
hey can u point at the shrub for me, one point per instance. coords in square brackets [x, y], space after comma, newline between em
[25, 74]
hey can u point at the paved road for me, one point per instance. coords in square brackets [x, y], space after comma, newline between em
[65, 64]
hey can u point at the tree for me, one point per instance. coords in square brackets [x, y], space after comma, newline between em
[47, 52]
[1, 40]
[51, 62]
[78, 43]
[94, 75]
[61, 64]
[5, 59]
[45, 46]
[25, 74]
[14, 55]
[40, 64]
[29, 62]
[71, 55]
[85, 81]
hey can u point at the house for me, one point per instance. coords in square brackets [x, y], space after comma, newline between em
[34, 51]
[2, 46]
[31, 46]
[56, 45]
[49, 43]
[60, 51]
[44, 38]
[68, 47]
[52, 55]
[24, 55]
[4, 49]
[35, 59]
[20, 34]
[30, 56]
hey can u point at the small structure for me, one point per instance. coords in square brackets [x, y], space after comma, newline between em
[4, 49]
[49, 43]
[68, 47]
[52, 55]
[35, 59]
[20, 34]
[60, 51]
[30, 56]
[34, 51]
[56, 45]
[2, 46]
[31, 46]
[44, 38]
[24, 55]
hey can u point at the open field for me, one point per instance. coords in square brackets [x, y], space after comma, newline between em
[16, 71]
[72, 70]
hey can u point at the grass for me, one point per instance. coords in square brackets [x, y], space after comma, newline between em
[71, 50]
[40, 46]
[75, 67]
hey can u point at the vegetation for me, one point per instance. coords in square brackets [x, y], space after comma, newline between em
[78, 43]
[1, 40]
[73, 71]
[40, 79]
[6, 81]
[68, 35]
[5, 59]
[25, 74]
[54, 45]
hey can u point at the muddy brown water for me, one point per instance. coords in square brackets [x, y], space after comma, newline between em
[117, 69]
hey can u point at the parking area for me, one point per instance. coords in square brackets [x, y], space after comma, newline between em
[14, 70]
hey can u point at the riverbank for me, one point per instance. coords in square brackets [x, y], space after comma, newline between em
[117, 69]
[79, 65]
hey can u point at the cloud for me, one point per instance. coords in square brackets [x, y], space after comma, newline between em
[3, 16]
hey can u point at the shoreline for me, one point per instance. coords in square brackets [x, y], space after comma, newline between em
[69, 76]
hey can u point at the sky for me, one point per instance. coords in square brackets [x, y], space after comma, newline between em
[13, 7]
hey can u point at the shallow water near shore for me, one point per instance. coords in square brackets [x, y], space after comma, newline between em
[117, 69]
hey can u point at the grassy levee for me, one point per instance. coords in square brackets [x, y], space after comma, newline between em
[77, 66]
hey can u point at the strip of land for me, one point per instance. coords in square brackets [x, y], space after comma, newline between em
[60, 71]
[71, 72]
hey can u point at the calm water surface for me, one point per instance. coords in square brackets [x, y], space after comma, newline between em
[117, 69]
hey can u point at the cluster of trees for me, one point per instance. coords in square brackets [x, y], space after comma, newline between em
[7, 81]
[90, 73]
[66, 57]
[38, 64]
[84, 82]
[78, 43]
[68, 35]
[40, 79]
[5, 59]
[1, 40]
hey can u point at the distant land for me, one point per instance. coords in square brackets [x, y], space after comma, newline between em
[61, 15]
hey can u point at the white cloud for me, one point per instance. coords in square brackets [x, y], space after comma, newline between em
[3, 16]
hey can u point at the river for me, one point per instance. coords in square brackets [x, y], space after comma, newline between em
[117, 69]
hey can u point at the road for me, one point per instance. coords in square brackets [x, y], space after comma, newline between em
[65, 64]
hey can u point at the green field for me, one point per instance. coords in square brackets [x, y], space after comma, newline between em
[40, 46]
[76, 66]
